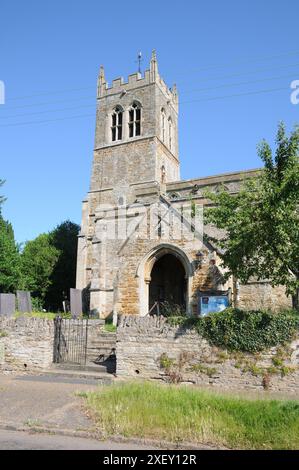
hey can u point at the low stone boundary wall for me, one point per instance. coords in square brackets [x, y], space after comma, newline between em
[26, 342]
[142, 341]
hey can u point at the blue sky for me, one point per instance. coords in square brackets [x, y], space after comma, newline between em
[50, 53]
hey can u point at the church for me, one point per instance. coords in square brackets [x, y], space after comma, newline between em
[141, 246]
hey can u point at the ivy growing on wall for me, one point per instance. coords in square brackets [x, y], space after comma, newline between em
[247, 331]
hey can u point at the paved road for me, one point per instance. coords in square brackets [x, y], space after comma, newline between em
[18, 440]
[49, 402]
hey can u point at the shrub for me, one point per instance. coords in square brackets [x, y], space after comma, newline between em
[247, 331]
[37, 304]
[250, 331]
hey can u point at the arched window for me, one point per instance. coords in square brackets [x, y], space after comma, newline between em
[163, 118]
[170, 133]
[135, 120]
[117, 124]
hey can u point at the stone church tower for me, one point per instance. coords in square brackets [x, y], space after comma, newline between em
[136, 137]
[129, 255]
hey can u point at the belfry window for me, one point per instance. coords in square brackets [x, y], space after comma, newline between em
[117, 124]
[134, 120]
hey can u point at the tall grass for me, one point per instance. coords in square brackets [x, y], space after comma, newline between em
[178, 414]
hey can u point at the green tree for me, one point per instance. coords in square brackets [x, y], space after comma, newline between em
[64, 238]
[261, 222]
[38, 260]
[9, 258]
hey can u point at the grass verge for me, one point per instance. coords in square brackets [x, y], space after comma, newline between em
[183, 414]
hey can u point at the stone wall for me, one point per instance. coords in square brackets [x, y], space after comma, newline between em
[260, 295]
[142, 341]
[27, 342]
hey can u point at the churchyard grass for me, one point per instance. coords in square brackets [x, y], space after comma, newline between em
[45, 315]
[187, 414]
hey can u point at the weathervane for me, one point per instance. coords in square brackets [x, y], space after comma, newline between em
[139, 60]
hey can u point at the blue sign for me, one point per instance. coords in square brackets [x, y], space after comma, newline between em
[212, 304]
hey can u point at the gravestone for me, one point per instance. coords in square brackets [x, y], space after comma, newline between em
[7, 304]
[24, 301]
[76, 302]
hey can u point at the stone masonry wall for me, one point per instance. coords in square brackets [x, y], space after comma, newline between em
[142, 341]
[26, 342]
[261, 295]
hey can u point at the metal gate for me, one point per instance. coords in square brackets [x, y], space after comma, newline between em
[70, 341]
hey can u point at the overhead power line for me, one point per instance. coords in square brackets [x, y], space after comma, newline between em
[213, 66]
[254, 59]
[235, 95]
[271, 90]
[87, 99]
[230, 85]
[56, 92]
[250, 72]
[47, 111]
[32, 105]
[47, 120]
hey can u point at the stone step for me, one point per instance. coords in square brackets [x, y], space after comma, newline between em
[101, 343]
[102, 377]
[105, 339]
[107, 335]
[96, 347]
[98, 358]
[101, 340]
[90, 367]
[107, 347]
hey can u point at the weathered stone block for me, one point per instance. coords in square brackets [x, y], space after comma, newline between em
[76, 302]
[7, 304]
[24, 301]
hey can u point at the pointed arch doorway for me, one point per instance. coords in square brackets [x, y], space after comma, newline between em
[168, 282]
[165, 275]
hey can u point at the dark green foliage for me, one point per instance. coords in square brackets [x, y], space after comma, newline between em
[37, 263]
[261, 222]
[46, 267]
[37, 304]
[64, 239]
[247, 331]
[9, 258]
[49, 265]
[250, 331]
[9, 254]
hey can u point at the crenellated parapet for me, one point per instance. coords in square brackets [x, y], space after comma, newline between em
[136, 80]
